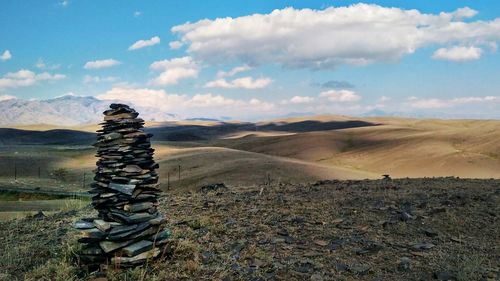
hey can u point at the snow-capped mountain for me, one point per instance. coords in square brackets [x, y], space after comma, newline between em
[66, 111]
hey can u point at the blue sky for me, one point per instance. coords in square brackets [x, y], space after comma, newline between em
[430, 58]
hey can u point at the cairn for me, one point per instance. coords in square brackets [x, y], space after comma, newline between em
[129, 229]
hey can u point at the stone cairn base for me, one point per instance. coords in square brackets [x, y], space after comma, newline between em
[129, 229]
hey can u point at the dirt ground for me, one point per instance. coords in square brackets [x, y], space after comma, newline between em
[404, 229]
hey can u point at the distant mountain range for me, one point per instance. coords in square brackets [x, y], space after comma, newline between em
[66, 111]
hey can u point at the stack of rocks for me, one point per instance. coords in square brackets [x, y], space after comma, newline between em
[128, 230]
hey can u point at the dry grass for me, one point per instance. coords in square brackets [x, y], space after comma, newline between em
[294, 232]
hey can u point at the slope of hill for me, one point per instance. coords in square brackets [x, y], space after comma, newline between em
[300, 149]
[400, 147]
[50, 137]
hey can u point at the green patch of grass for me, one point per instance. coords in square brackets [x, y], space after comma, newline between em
[492, 155]
[348, 143]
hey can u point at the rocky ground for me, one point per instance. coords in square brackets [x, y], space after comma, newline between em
[405, 229]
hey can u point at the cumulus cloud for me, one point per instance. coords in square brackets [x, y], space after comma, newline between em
[6, 55]
[458, 53]
[240, 83]
[435, 103]
[323, 39]
[97, 64]
[144, 97]
[463, 13]
[209, 100]
[174, 70]
[384, 99]
[145, 43]
[197, 105]
[41, 64]
[334, 84]
[6, 97]
[87, 79]
[24, 78]
[340, 96]
[301, 99]
[174, 45]
[234, 71]
[137, 14]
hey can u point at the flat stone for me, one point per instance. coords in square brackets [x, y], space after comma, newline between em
[423, 246]
[83, 224]
[91, 233]
[431, 233]
[138, 207]
[123, 188]
[110, 246]
[102, 225]
[137, 248]
[132, 169]
[136, 259]
[321, 243]
[111, 136]
[161, 237]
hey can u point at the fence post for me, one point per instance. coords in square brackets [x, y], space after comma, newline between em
[179, 172]
[15, 171]
[83, 180]
[168, 180]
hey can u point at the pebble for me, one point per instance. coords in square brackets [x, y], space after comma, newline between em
[444, 275]
[404, 264]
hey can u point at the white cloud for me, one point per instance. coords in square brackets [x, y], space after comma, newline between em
[145, 43]
[174, 70]
[40, 64]
[97, 64]
[429, 103]
[6, 97]
[340, 96]
[174, 45]
[47, 76]
[384, 98]
[234, 71]
[240, 83]
[435, 103]
[209, 100]
[458, 53]
[144, 97]
[475, 99]
[87, 79]
[24, 78]
[137, 14]
[197, 105]
[463, 13]
[355, 35]
[6, 55]
[64, 3]
[301, 99]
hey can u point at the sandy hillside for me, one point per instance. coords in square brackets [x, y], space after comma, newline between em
[293, 150]
[400, 147]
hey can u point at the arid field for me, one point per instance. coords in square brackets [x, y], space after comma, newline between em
[290, 150]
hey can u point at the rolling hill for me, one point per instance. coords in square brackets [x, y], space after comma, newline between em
[292, 150]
